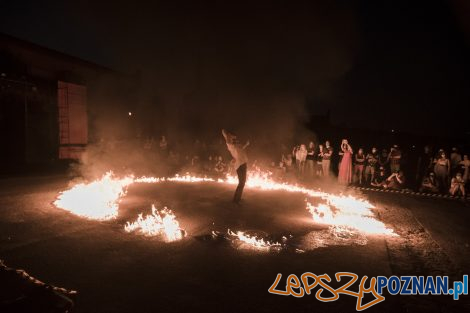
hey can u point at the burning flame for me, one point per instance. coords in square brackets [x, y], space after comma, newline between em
[159, 223]
[253, 241]
[348, 212]
[98, 200]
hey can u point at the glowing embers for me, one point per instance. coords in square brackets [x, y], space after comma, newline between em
[98, 200]
[159, 223]
[333, 236]
[253, 241]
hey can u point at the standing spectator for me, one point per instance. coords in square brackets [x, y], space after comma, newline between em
[310, 161]
[163, 146]
[465, 165]
[319, 161]
[300, 158]
[455, 159]
[457, 185]
[287, 160]
[372, 159]
[359, 162]
[383, 158]
[442, 171]
[395, 159]
[429, 184]
[294, 156]
[345, 167]
[326, 159]
[425, 161]
[148, 144]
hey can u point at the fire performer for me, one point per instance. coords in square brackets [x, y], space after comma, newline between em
[238, 153]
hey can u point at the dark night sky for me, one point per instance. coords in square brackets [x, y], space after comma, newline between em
[376, 64]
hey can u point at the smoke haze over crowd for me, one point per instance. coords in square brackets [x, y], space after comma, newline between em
[251, 66]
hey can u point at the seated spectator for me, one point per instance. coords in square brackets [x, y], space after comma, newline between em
[220, 166]
[395, 181]
[457, 186]
[380, 178]
[429, 184]
[287, 160]
[209, 164]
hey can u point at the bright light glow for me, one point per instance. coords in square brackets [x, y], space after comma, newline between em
[158, 223]
[99, 200]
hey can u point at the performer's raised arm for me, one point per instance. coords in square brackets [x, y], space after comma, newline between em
[225, 134]
[239, 155]
[228, 136]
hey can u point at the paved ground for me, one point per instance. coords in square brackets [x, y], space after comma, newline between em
[118, 272]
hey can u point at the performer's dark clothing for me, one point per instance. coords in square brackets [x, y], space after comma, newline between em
[241, 172]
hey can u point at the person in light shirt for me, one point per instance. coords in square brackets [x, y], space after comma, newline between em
[240, 157]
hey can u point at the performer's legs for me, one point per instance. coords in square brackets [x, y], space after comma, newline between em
[241, 172]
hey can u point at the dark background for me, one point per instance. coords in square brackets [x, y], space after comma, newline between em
[384, 65]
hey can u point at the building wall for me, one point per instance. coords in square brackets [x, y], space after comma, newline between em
[29, 113]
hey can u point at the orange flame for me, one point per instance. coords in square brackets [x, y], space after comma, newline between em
[253, 241]
[100, 199]
[159, 223]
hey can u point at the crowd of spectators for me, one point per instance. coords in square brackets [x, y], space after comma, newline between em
[430, 172]
[433, 172]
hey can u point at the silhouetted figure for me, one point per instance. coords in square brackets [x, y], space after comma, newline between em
[310, 160]
[326, 159]
[455, 159]
[442, 171]
[240, 158]
[395, 159]
[380, 178]
[425, 162]
[383, 158]
[429, 184]
[464, 166]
